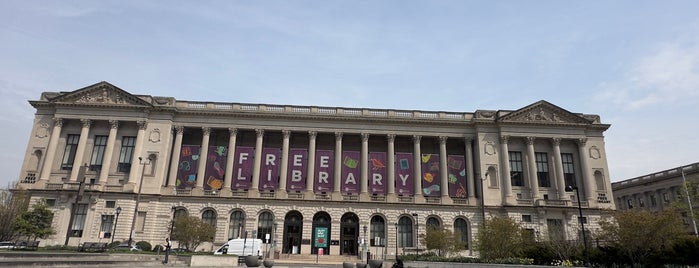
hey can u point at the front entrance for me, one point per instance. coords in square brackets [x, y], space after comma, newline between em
[349, 234]
[293, 228]
[321, 223]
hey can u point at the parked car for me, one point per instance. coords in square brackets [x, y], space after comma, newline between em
[133, 247]
[7, 245]
[180, 250]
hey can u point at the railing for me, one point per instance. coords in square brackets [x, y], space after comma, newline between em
[582, 204]
[323, 197]
[348, 197]
[525, 202]
[405, 199]
[433, 200]
[460, 201]
[378, 198]
[183, 191]
[212, 193]
[268, 195]
[54, 186]
[550, 202]
[239, 193]
[113, 188]
[295, 195]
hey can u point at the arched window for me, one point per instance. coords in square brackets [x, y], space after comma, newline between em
[461, 231]
[236, 227]
[405, 232]
[378, 229]
[599, 180]
[264, 226]
[180, 212]
[433, 221]
[209, 216]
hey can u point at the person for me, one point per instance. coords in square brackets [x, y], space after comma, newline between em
[398, 264]
[167, 249]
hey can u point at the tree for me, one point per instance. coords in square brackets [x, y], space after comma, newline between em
[639, 233]
[500, 237]
[442, 240]
[191, 231]
[35, 223]
[682, 205]
[12, 204]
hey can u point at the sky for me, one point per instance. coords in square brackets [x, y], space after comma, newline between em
[634, 63]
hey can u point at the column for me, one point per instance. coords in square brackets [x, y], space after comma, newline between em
[558, 163]
[258, 159]
[337, 180]
[228, 176]
[311, 160]
[108, 152]
[364, 163]
[506, 179]
[533, 181]
[587, 181]
[203, 153]
[417, 161]
[470, 181]
[134, 173]
[175, 157]
[51, 151]
[391, 164]
[444, 181]
[285, 160]
[80, 152]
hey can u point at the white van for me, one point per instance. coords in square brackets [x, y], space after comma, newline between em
[241, 247]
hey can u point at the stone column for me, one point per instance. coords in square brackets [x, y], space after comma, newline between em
[417, 163]
[506, 177]
[286, 134]
[203, 155]
[175, 157]
[230, 158]
[470, 181]
[80, 152]
[364, 163]
[588, 182]
[108, 152]
[134, 173]
[258, 160]
[533, 181]
[51, 151]
[337, 180]
[558, 163]
[311, 161]
[443, 174]
[391, 164]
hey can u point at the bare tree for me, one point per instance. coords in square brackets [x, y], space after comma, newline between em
[12, 204]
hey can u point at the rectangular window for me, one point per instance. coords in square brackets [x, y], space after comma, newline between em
[69, 153]
[568, 169]
[653, 202]
[51, 202]
[377, 235]
[516, 170]
[527, 218]
[98, 152]
[126, 155]
[542, 169]
[79, 220]
[583, 219]
[110, 204]
[107, 226]
[666, 198]
[641, 203]
[141, 221]
[629, 203]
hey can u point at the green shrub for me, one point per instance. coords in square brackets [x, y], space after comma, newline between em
[158, 248]
[144, 245]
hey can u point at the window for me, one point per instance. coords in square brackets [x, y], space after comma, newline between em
[110, 204]
[583, 220]
[555, 227]
[542, 169]
[69, 154]
[568, 169]
[461, 231]
[51, 202]
[629, 203]
[641, 203]
[107, 226]
[527, 218]
[264, 227]
[516, 170]
[140, 221]
[79, 220]
[236, 225]
[666, 198]
[98, 152]
[653, 202]
[209, 217]
[405, 232]
[126, 155]
[180, 212]
[378, 230]
[432, 221]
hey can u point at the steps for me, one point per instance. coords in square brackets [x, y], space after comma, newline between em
[71, 259]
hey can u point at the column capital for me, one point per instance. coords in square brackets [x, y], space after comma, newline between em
[581, 142]
[416, 138]
[206, 130]
[178, 129]
[365, 137]
[286, 133]
[556, 141]
[504, 139]
[260, 132]
[338, 136]
[58, 121]
[530, 140]
[443, 140]
[312, 134]
[142, 124]
[233, 131]
[391, 137]
[468, 139]
[114, 124]
[86, 123]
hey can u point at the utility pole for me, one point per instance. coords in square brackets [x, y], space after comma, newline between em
[78, 197]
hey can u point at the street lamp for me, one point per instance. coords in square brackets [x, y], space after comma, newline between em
[580, 218]
[172, 224]
[396, 224]
[138, 196]
[274, 240]
[118, 211]
[364, 244]
[417, 233]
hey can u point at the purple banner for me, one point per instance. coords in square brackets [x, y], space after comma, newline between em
[350, 172]
[324, 171]
[404, 174]
[215, 167]
[298, 167]
[187, 169]
[377, 173]
[430, 175]
[456, 171]
[269, 169]
[242, 168]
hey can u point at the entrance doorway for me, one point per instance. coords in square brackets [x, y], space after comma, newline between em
[293, 228]
[321, 221]
[349, 234]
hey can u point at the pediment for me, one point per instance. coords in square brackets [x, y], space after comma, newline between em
[545, 113]
[102, 93]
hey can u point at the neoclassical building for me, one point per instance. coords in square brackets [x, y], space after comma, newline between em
[297, 174]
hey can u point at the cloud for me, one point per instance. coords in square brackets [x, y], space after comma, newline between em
[669, 76]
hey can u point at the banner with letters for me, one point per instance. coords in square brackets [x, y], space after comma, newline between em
[377, 173]
[404, 174]
[242, 168]
[350, 172]
[324, 167]
[269, 169]
[298, 168]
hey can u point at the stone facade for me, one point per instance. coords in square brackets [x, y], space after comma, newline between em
[134, 146]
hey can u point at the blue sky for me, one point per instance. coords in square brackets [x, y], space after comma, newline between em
[634, 63]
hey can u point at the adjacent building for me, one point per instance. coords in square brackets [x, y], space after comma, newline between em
[304, 178]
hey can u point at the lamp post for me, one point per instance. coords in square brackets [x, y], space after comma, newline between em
[138, 196]
[274, 240]
[364, 244]
[580, 218]
[118, 211]
[417, 233]
[396, 224]
[172, 223]
[481, 195]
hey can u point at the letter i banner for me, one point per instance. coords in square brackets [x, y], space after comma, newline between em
[269, 169]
